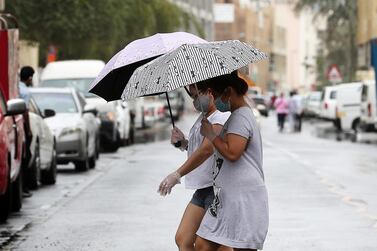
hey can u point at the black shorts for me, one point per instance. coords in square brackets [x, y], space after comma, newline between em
[203, 197]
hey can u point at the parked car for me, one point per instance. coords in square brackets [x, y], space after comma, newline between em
[11, 153]
[154, 110]
[260, 104]
[42, 164]
[254, 91]
[368, 117]
[328, 109]
[79, 74]
[176, 101]
[75, 126]
[313, 104]
[136, 107]
[348, 101]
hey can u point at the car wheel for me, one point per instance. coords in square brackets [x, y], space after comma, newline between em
[17, 193]
[82, 166]
[5, 202]
[131, 136]
[114, 146]
[33, 173]
[48, 177]
[98, 147]
[92, 162]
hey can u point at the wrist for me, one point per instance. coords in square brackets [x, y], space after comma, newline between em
[212, 136]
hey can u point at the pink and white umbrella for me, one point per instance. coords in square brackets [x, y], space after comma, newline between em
[112, 80]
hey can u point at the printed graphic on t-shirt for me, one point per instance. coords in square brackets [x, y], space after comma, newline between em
[214, 207]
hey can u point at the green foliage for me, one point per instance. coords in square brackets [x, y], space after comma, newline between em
[339, 39]
[92, 28]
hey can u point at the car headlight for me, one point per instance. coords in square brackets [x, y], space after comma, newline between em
[69, 130]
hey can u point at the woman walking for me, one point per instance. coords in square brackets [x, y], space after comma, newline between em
[200, 158]
[281, 105]
[238, 216]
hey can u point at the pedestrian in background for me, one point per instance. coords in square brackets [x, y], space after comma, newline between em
[299, 108]
[200, 158]
[281, 106]
[238, 216]
[291, 111]
[26, 80]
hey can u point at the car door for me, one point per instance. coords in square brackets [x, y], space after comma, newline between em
[46, 138]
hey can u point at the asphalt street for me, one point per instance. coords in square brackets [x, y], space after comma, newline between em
[322, 196]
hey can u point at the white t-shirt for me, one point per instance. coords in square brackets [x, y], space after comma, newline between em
[201, 177]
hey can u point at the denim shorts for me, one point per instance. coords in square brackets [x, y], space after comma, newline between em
[203, 197]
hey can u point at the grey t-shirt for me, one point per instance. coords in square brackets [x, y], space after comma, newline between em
[238, 217]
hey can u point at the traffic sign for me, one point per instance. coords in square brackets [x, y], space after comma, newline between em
[333, 74]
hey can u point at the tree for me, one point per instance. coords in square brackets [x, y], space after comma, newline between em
[92, 28]
[340, 36]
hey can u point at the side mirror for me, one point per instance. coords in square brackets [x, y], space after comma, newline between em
[15, 107]
[47, 113]
[90, 109]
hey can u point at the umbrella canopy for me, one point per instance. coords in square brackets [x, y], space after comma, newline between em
[111, 81]
[188, 64]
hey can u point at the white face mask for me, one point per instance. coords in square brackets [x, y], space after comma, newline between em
[202, 102]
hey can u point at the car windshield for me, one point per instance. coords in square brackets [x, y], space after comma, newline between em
[59, 102]
[80, 84]
[259, 101]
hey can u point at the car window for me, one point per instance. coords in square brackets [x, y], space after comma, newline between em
[3, 105]
[80, 84]
[33, 107]
[333, 95]
[59, 102]
[364, 93]
[81, 100]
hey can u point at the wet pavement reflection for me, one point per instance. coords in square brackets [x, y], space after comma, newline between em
[159, 132]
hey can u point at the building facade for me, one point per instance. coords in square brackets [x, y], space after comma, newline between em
[367, 39]
[202, 12]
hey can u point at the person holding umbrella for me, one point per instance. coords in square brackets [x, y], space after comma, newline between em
[200, 158]
[238, 216]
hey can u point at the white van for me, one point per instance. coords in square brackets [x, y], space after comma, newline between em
[79, 74]
[368, 118]
[328, 104]
[349, 105]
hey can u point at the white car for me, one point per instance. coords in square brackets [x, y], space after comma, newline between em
[124, 123]
[154, 110]
[328, 104]
[75, 125]
[42, 164]
[368, 118]
[313, 104]
[79, 74]
[348, 100]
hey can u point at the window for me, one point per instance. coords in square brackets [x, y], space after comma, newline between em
[59, 102]
[333, 95]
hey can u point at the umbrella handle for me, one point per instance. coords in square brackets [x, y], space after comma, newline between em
[179, 143]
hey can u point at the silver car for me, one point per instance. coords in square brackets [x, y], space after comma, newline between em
[75, 125]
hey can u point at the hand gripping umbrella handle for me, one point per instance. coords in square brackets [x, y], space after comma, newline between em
[179, 143]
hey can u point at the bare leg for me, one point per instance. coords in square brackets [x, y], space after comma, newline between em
[205, 245]
[186, 233]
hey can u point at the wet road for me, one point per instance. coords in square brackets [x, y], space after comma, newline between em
[322, 197]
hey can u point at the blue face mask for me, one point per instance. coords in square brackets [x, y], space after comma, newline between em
[221, 106]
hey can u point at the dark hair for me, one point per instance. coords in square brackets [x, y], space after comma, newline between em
[26, 72]
[220, 83]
